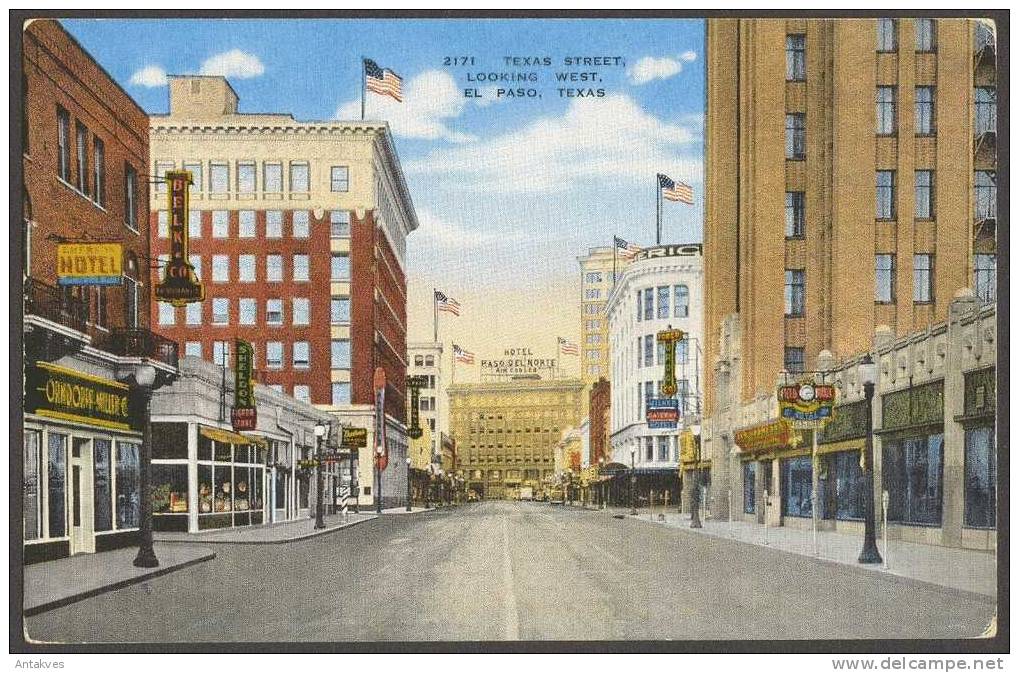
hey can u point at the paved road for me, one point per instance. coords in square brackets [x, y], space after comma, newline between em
[532, 571]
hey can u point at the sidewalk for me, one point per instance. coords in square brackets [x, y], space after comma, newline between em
[275, 533]
[53, 584]
[962, 569]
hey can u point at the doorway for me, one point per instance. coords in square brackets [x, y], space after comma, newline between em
[82, 506]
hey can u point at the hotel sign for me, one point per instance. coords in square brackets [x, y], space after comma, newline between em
[244, 415]
[89, 263]
[180, 285]
[64, 394]
[415, 384]
[518, 361]
[662, 413]
[658, 251]
[808, 404]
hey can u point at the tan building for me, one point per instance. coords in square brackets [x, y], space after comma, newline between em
[596, 269]
[506, 431]
[850, 190]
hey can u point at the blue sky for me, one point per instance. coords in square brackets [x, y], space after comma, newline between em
[509, 192]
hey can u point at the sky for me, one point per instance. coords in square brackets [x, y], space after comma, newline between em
[508, 190]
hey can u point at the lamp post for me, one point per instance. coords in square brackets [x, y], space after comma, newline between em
[408, 483]
[867, 371]
[320, 433]
[601, 484]
[633, 481]
[354, 487]
[695, 515]
[144, 380]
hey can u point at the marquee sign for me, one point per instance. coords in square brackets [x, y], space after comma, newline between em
[65, 394]
[662, 413]
[770, 435]
[415, 384]
[180, 285]
[806, 403]
[518, 361]
[89, 263]
[244, 414]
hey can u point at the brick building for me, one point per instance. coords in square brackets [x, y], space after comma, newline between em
[600, 429]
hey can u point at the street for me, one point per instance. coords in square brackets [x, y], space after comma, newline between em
[507, 570]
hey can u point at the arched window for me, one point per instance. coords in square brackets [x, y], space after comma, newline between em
[682, 293]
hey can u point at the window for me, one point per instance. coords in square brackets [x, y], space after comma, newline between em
[194, 224]
[163, 223]
[99, 170]
[984, 277]
[299, 176]
[663, 448]
[248, 311]
[639, 305]
[193, 313]
[220, 224]
[196, 263]
[245, 177]
[649, 350]
[161, 169]
[193, 349]
[300, 267]
[981, 478]
[681, 295]
[885, 195]
[911, 470]
[663, 301]
[82, 167]
[274, 224]
[272, 177]
[986, 195]
[794, 293]
[246, 224]
[301, 393]
[220, 311]
[300, 224]
[127, 474]
[131, 197]
[795, 58]
[246, 268]
[302, 356]
[63, 144]
[649, 303]
[341, 394]
[219, 178]
[339, 179]
[796, 487]
[301, 310]
[592, 293]
[887, 34]
[340, 354]
[923, 201]
[924, 111]
[923, 278]
[986, 109]
[430, 362]
[850, 486]
[221, 268]
[274, 268]
[682, 350]
[649, 392]
[795, 136]
[340, 267]
[339, 224]
[924, 31]
[195, 168]
[749, 497]
[274, 355]
[794, 214]
[794, 360]
[884, 279]
[593, 277]
[102, 307]
[339, 310]
[885, 110]
[221, 353]
[419, 361]
[56, 474]
[274, 311]
[167, 313]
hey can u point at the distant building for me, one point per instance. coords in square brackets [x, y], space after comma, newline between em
[425, 359]
[596, 281]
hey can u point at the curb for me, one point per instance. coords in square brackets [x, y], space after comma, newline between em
[74, 598]
[314, 533]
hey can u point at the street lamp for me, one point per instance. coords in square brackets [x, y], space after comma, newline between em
[633, 481]
[320, 433]
[695, 515]
[601, 483]
[144, 379]
[408, 483]
[867, 372]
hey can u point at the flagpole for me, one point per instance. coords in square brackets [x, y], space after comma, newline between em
[615, 248]
[658, 209]
[559, 355]
[364, 69]
[435, 316]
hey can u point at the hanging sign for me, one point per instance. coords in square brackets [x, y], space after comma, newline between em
[415, 384]
[89, 263]
[354, 438]
[662, 413]
[180, 285]
[668, 338]
[806, 404]
[245, 414]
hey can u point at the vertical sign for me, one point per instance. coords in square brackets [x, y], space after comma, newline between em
[179, 286]
[244, 415]
[415, 384]
[381, 450]
[669, 337]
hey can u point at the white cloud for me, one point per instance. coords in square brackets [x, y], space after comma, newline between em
[149, 76]
[649, 68]
[488, 96]
[441, 231]
[234, 63]
[688, 55]
[430, 101]
[608, 139]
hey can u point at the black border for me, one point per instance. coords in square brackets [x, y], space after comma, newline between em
[995, 645]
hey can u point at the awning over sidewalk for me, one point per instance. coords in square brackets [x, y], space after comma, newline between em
[226, 436]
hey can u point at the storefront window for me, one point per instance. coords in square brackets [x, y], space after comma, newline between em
[32, 501]
[796, 490]
[128, 498]
[242, 498]
[103, 485]
[204, 489]
[911, 470]
[56, 484]
[169, 489]
[223, 489]
[980, 478]
[850, 489]
[749, 474]
[204, 447]
[222, 452]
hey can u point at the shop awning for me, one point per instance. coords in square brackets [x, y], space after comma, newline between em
[224, 436]
[258, 441]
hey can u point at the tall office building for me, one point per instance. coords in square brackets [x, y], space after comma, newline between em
[425, 359]
[596, 282]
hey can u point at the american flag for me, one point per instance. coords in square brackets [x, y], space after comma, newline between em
[627, 250]
[447, 303]
[675, 191]
[383, 82]
[461, 355]
[567, 347]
